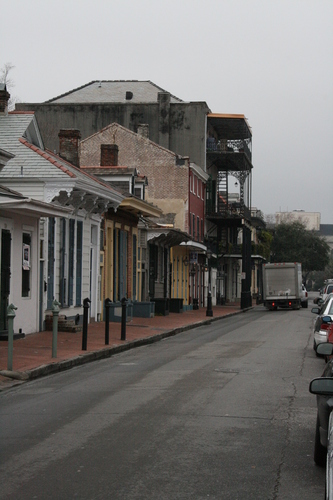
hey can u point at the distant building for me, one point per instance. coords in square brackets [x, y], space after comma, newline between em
[311, 220]
[326, 231]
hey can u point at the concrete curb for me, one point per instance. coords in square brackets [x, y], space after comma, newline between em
[81, 359]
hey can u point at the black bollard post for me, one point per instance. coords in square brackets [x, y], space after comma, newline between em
[209, 311]
[123, 318]
[107, 319]
[86, 303]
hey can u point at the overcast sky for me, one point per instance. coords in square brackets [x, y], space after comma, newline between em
[271, 60]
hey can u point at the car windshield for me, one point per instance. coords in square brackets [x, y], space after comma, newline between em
[324, 305]
[330, 308]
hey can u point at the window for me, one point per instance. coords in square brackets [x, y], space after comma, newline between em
[120, 264]
[202, 230]
[79, 238]
[198, 228]
[198, 190]
[101, 240]
[193, 225]
[134, 265]
[138, 192]
[71, 261]
[153, 260]
[26, 264]
[50, 261]
[160, 264]
[191, 177]
[64, 261]
[194, 184]
[70, 277]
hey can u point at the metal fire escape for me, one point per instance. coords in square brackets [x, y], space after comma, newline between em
[228, 207]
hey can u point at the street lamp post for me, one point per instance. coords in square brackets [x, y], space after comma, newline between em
[209, 311]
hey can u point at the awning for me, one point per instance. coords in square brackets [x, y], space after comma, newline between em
[139, 207]
[194, 246]
[230, 126]
[35, 208]
[167, 237]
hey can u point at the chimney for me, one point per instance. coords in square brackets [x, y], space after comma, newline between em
[4, 98]
[109, 155]
[69, 145]
[143, 129]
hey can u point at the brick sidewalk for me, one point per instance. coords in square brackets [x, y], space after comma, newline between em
[32, 355]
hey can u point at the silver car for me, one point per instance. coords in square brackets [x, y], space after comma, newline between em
[328, 288]
[319, 327]
[323, 388]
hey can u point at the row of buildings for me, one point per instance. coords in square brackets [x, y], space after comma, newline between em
[120, 189]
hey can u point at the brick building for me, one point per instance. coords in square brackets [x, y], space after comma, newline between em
[176, 186]
[220, 144]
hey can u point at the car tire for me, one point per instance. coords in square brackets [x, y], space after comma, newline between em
[320, 452]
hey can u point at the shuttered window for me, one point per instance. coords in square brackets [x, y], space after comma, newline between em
[50, 262]
[79, 239]
[134, 265]
[26, 265]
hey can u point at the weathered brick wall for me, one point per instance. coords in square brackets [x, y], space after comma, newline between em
[69, 145]
[167, 181]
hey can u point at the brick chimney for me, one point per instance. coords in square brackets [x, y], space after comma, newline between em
[69, 145]
[143, 129]
[4, 98]
[109, 155]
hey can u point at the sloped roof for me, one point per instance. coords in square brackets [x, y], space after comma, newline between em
[14, 202]
[107, 91]
[32, 161]
[9, 193]
[115, 125]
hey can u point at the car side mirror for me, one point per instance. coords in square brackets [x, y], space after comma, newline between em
[325, 349]
[315, 310]
[326, 319]
[322, 385]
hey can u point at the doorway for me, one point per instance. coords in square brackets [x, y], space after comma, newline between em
[6, 239]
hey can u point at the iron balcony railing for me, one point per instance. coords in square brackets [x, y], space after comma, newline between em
[229, 210]
[229, 146]
[257, 214]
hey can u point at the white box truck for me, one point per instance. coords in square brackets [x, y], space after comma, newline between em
[282, 285]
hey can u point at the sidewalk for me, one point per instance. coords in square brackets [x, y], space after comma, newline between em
[32, 355]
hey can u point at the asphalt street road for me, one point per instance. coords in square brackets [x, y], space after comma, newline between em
[218, 412]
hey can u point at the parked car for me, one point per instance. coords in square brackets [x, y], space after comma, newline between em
[320, 328]
[323, 388]
[328, 288]
[304, 297]
[318, 299]
[329, 322]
